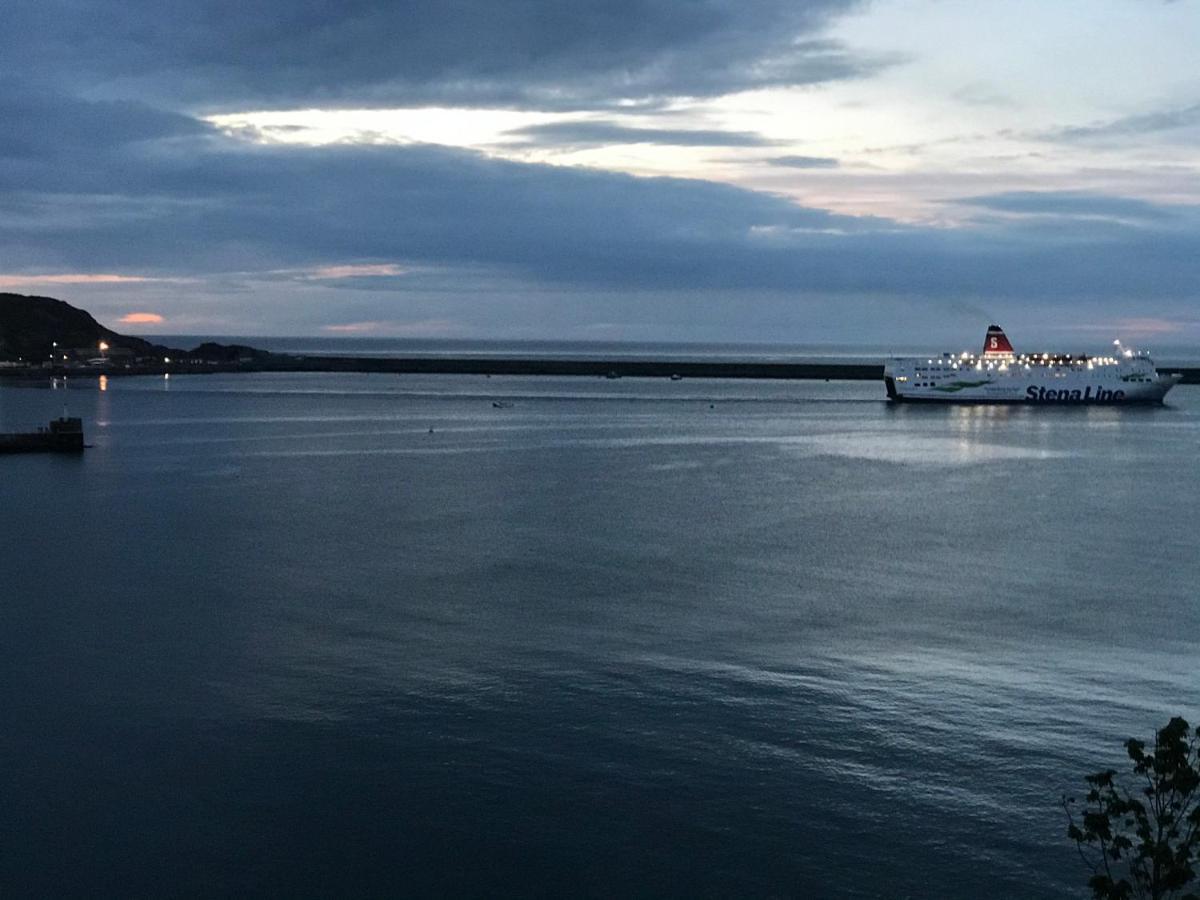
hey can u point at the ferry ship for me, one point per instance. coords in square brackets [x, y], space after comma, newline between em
[1000, 375]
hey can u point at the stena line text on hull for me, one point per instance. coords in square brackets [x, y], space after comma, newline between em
[1036, 394]
[1000, 375]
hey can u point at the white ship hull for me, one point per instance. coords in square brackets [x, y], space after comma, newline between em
[999, 375]
[1069, 389]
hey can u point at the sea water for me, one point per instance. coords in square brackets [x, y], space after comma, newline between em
[317, 634]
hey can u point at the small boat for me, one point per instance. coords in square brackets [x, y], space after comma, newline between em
[676, 377]
[501, 404]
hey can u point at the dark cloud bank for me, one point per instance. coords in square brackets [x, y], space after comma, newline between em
[803, 162]
[153, 192]
[220, 54]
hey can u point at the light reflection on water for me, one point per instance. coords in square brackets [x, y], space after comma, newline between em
[752, 639]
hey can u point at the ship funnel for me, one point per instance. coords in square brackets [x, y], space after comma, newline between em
[995, 343]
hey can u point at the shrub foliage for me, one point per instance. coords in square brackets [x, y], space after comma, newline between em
[1139, 834]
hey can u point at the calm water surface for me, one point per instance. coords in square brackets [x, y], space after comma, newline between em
[316, 634]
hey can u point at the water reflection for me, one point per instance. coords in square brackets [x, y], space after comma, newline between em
[649, 608]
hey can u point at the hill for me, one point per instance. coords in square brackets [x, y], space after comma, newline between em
[30, 326]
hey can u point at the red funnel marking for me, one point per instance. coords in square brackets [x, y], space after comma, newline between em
[995, 342]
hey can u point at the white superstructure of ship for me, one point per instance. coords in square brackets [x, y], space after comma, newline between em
[1000, 375]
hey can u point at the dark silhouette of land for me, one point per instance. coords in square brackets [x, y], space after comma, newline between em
[32, 327]
[45, 332]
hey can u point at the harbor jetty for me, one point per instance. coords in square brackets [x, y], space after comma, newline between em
[468, 365]
[600, 368]
[63, 435]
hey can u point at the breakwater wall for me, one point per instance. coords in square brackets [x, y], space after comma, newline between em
[639, 368]
[587, 367]
[1191, 375]
[631, 368]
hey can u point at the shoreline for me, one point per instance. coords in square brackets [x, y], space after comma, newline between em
[426, 365]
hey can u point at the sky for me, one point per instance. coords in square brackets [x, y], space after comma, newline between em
[786, 171]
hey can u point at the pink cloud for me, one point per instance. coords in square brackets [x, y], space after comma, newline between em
[141, 318]
[1142, 327]
[423, 328]
[68, 278]
[381, 270]
[1151, 326]
[355, 327]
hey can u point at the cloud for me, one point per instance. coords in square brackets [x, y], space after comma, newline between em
[39, 122]
[215, 55]
[26, 281]
[471, 236]
[238, 209]
[979, 93]
[1141, 327]
[359, 270]
[425, 328]
[803, 162]
[354, 327]
[1136, 126]
[141, 318]
[175, 206]
[1071, 204]
[598, 133]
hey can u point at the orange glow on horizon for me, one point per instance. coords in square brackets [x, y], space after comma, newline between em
[355, 327]
[141, 318]
[425, 328]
